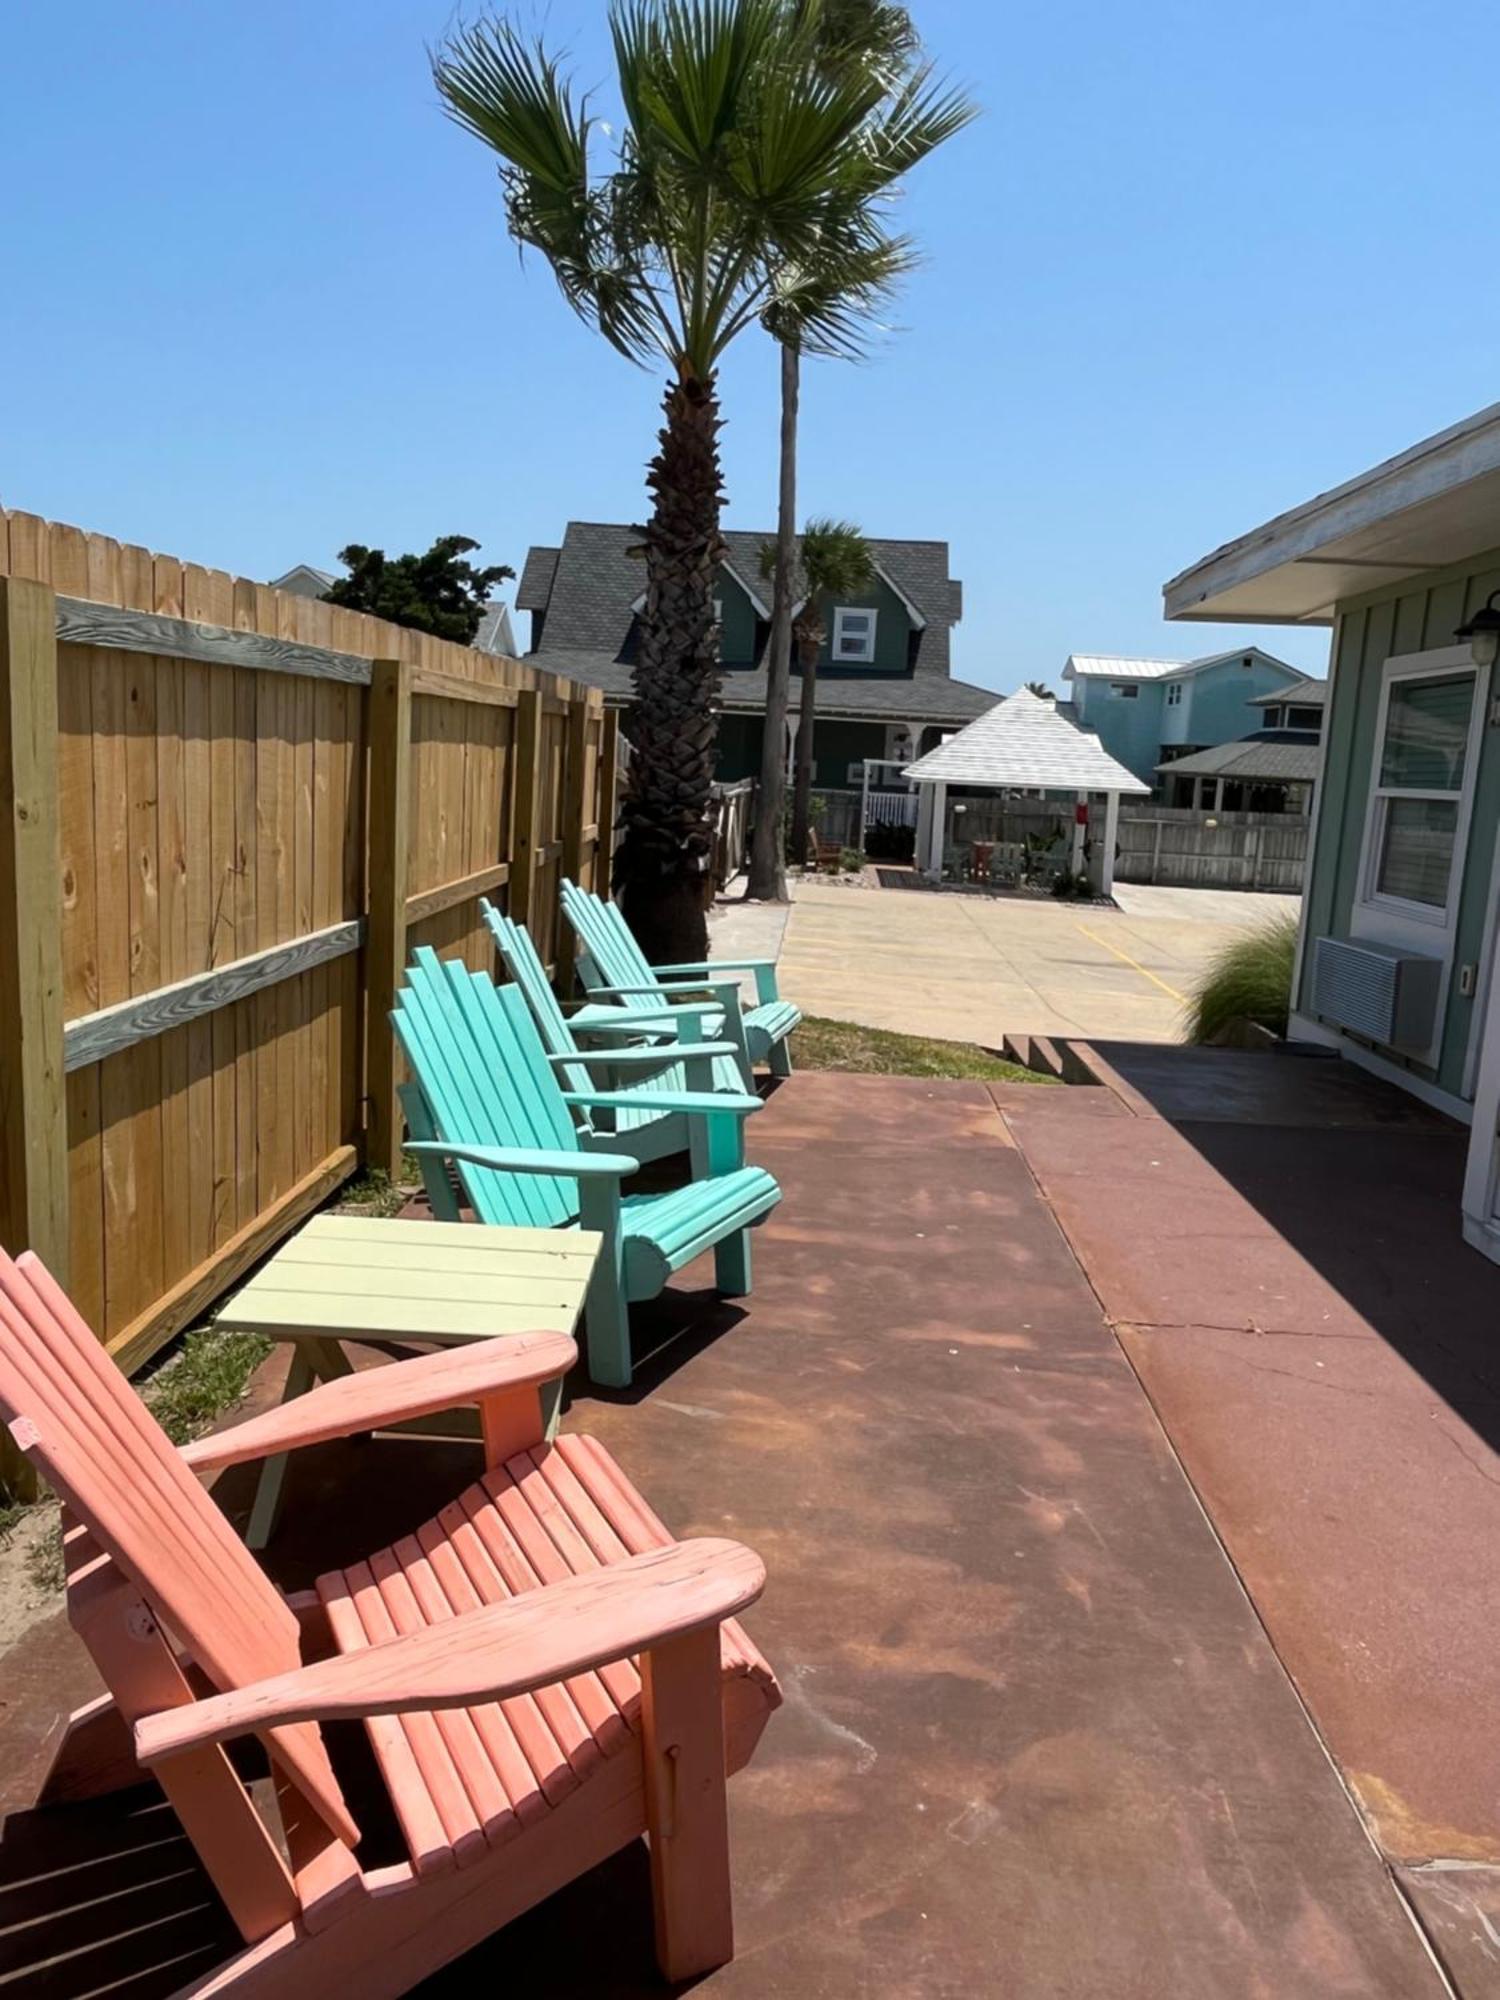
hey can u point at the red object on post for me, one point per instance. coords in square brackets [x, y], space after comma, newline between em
[1081, 815]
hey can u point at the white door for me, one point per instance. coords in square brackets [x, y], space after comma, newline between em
[1482, 1178]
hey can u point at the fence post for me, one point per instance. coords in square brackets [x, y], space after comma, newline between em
[609, 780]
[385, 932]
[575, 809]
[33, 1094]
[1155, 849]
[526, 794]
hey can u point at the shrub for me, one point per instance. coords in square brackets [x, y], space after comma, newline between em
[851, 860]
[1249, 980]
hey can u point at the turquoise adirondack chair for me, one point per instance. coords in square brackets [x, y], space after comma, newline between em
[613, 967]
[647, 1130]
[486, 1099]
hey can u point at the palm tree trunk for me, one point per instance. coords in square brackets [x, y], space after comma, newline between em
[662, 867]
[802, 784]
[767, 858]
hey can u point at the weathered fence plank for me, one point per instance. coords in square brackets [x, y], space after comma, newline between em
[80, 623]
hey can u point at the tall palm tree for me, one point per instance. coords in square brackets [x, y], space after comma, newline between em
[833, 560]
[731, 165]
[826, 305]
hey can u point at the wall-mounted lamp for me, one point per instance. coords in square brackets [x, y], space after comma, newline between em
[1483, 633]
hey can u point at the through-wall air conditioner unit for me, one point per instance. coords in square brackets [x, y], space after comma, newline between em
[1390, 996]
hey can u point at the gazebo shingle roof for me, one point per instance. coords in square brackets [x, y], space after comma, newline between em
[1024, 742]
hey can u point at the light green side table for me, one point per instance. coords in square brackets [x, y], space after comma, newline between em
[384, 1282]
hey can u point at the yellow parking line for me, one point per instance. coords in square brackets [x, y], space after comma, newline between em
[1135, 964]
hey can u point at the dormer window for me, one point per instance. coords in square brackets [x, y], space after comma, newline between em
[1273, 718]
[853, 636]
[1174, 694]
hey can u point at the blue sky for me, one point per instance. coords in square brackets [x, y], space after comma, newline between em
[1195, 264]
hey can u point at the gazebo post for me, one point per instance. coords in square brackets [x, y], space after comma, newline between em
[1111, 841]
[939, 829]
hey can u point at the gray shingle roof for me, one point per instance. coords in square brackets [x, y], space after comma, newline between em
[1306, 693]
[588, 586]
[1024, 741]
[535, 586]
[1269, 759]
[921, 696]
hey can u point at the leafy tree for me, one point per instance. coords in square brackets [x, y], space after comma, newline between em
[438, 592]
[732, 164]
[826, 301]
[833, 560]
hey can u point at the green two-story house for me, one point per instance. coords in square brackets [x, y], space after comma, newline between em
[885, 689]
[1397, 959]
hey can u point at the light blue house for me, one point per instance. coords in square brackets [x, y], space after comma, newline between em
[1148, 712]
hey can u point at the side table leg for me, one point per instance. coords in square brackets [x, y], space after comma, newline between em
[299, 1379]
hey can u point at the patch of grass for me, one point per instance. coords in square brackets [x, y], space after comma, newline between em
[12, 1514]
[838, 1045]
[1249, 979]
[372, 1192]
[208, 1374]
[45, 1570]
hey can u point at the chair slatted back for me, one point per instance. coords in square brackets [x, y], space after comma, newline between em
[519, 956]
[613, 951]
[484, 1076]
[116, 1470]
[525, 967]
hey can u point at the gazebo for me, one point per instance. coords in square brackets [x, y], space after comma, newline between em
[1023, 745]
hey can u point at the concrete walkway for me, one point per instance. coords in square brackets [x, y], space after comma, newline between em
[1036, 1741]
[1276, 1238]
[974, 968]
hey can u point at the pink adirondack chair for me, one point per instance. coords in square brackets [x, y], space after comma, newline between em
[543, 1673]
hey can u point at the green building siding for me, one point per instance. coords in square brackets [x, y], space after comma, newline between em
[892, 633]
[1402, 618]
[737, 626]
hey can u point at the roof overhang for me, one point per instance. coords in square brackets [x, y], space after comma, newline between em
[1424, 510]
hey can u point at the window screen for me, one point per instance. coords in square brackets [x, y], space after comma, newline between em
[1416, 853]
[1426, 734]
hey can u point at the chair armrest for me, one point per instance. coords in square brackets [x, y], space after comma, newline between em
[530, 1641]
[764, 969]
[711, 965]
[663, 1055]
[590, 1020]
[376, 1396]
[511, 1160]
[664, 988]
[663, 1100]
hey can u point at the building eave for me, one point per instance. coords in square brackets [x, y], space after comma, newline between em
[1429, 507]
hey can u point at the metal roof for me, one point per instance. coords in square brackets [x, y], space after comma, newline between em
[1428, 507]
[1110, 667]
[1024, 742]
[1261, 760]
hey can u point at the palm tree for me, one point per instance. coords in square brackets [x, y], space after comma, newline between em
[833, 560]
[731, 165]
[825, 305]
[1041, 690]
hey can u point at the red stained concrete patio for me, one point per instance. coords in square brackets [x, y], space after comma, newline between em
[1038, 1740]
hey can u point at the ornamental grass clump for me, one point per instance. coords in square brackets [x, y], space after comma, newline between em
[1249, 980]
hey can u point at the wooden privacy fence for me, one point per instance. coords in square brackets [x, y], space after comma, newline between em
[228, 815]
[1212, 850]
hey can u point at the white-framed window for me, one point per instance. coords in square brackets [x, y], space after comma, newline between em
[1421, 793]
[853, 635]
[1126, 690]
[1174, 694]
